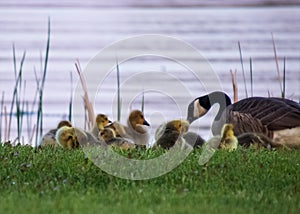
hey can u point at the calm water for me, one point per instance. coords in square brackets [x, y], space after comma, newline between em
[81, 32]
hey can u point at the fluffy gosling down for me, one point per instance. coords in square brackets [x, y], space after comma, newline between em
[66, 137]
[100, 122]
[71, 138]
[49, 138]
[228, 140]
[108, 136]
[137, 129]
[176, 131]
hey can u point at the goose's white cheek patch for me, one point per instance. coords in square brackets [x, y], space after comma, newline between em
[198, 110]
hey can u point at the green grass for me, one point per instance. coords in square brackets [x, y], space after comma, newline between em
[57, 180]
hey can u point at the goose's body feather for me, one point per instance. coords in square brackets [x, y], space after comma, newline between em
[273, 113]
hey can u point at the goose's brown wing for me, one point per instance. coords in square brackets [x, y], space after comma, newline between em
[273, 113]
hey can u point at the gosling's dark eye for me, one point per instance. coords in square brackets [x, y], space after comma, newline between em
[142, 117]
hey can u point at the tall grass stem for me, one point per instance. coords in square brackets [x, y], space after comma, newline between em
[277, 65]
[243, 70]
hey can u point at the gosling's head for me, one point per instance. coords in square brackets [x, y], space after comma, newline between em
[64, 123]
[136, 118]
[66, 137]
[181, 126]
[228, 141]
[227, 130]
[102, 121]
[107, 134]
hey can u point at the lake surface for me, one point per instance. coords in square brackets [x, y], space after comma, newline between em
[83, 30]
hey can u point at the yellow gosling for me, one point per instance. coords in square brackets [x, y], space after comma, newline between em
[66, 137]
[228, 140]
[108, 136]
[170, 133]
[49, 138]
[100, 122]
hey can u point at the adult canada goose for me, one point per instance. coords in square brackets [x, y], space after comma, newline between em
[108, 136]
[278, 119]
[100, 122]
[49, 138]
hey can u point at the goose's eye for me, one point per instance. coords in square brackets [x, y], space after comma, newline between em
[142, 116]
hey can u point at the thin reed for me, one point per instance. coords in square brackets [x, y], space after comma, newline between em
[243, 70]
[71, 97]
[1, 114]
[251, 77]
[143, 102]
[284, 76]
[39, 123]
[16, 94]
[277, 64]
[119, 92]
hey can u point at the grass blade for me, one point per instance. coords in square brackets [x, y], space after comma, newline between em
[276, 61]
[244, 78]
[15, 93]
[118, 88]
[251, 77]
[71, 97]
[143, 101]
[14, 60]
[284, 76]
[39, 127]
[6, 125]
[1, 114]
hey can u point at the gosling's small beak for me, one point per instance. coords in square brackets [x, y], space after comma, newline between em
[146, 123]
[109, 121]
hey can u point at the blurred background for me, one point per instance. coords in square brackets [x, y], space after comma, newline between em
[80, 29]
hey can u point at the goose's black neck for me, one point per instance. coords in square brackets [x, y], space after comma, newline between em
[219, 97]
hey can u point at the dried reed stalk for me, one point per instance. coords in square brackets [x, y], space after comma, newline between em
[234, 86]
[90, 120]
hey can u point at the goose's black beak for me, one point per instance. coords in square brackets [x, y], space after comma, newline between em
[190, 113]
[146, 123]
[190, 119]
